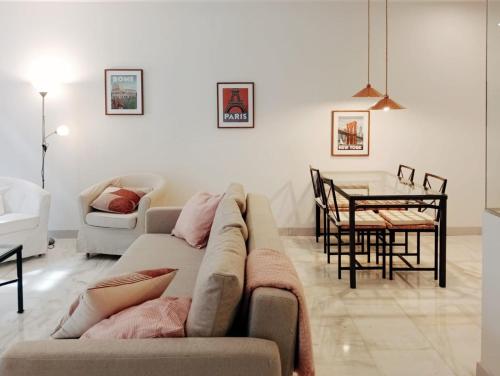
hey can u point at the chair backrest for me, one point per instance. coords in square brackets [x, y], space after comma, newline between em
[20, 196]
[406, 173]
[316, 181]
[434, 182]
[437, 184]
[329, 195]
[143, 180]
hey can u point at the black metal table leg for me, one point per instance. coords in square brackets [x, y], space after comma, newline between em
[352, 242]
[442, 241]
[19, 267]
[317, 217]
[384, 254]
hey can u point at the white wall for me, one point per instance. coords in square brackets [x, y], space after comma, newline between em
[493, 153]
[306, 59]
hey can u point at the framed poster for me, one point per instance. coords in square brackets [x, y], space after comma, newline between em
[235, 105]
[123, 91]
[350, 133]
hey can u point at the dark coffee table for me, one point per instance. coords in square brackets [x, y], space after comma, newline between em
[7, 251]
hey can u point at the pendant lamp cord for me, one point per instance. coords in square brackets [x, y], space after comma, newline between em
[386, 44]
[369, 41]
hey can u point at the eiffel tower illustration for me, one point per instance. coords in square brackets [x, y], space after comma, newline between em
[235, 102]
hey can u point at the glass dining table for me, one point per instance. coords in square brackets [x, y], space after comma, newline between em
[383, 190]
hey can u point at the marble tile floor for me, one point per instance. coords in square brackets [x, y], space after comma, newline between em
[407, 326]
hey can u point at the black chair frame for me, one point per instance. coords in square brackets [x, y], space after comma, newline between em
[394, 231]
[333, 216]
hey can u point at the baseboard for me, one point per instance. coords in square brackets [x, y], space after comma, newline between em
[63, 234]
[286, 231]
[480, 371]
[464, 230]
[309, 231]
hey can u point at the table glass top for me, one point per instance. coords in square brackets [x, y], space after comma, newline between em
[4, 248]
[376, 183]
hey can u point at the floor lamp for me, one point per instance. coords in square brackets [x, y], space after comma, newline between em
[62, 130]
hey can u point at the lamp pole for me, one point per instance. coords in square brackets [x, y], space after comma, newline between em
[44, 139]
[51, 240]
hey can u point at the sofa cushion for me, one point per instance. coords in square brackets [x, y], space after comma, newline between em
[219, 285]
[2, 209]
[237, 193]
[261, 224]
[228, 214]
[15, 222]
[109, 296]
[162, 250]
[111, 220]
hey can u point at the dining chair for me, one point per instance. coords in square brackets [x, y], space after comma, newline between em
[411, 221]
[320, 207]
[406, 173]
[365, 220]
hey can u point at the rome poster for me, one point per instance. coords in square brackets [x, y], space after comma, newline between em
[124, 93]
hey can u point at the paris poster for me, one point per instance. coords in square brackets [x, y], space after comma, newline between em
[350, 133]
[235, 105]
[123, 90]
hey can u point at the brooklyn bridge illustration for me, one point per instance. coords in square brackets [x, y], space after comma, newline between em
[350, 135]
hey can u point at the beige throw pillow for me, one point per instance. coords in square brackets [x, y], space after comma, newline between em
[110, 296]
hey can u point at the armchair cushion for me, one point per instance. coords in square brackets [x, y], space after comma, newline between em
[118, 200]
[111, 220]
[15, 222]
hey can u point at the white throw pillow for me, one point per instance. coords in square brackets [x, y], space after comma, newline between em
[2, 208]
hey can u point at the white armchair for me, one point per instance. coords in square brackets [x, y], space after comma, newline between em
[112, 233]
[26, 216]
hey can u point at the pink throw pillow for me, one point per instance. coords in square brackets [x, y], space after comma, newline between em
[158, 318]
[195, 220]
[112, 295]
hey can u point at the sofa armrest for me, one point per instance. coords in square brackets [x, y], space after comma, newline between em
[152, 357]
[154, 198]
[161, 220]
[273, 315]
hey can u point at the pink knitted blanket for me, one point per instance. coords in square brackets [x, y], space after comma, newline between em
[269, 268]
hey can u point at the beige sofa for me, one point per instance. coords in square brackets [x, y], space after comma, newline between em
[263, 343]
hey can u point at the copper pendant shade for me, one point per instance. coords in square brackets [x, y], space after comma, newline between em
[386, 103]
[368, 91]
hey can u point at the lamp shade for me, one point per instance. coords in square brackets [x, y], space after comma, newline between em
[43, 85]
[368, 92]
[62, 130]
[386, 104]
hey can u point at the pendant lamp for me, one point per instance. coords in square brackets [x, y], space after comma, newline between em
[368, 91]
[386, 103]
